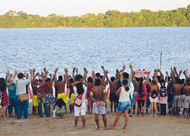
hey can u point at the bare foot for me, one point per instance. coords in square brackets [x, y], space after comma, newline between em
[113, 128]
[84, 128]
[124, 128]
[98, 129]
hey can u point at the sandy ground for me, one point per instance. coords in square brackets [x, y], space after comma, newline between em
[137, 126]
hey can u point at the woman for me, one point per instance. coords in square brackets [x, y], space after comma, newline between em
[124, 103]
[21, 90]
[141, 97]
[153, 94]
[79, 91]
[3, 96]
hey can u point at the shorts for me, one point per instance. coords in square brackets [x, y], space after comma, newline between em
[124, 106]
[187, 102]
[81, 110]
[141, 103]
[134, 98]
[35, 100]
[153, 99]
[182, 101]
[98, 109]
[50, 99]
[62, 96]
[41, 99]
[177, 102]
[113, 97]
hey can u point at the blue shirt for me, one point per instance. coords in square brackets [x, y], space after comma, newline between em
[12, 91]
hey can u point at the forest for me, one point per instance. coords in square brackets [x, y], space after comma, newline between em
[111, 18]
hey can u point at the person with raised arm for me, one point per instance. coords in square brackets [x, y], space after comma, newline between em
[80, 105]
[177, 91]
[124, 103]
[153, 93]
[49, 93]
[98, 96]
[126, 76]
[21, 83]
[61, 86]
[163, 95]
[11, 95]
[3, 94]
[113, 97]
[98, 76]
[41, 86]
[186, 91]
[34, 90]
[141, 96]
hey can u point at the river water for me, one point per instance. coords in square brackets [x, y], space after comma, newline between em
[23, 49]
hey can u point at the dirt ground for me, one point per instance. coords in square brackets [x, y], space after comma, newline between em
[137, 126]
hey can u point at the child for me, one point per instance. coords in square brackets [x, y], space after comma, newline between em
[59, 108]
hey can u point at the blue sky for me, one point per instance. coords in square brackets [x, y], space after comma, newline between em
[80, 7]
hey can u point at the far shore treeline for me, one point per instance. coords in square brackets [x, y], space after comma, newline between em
[112, 18]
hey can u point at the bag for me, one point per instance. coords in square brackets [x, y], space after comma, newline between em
[23, 97]
[163, 91]
[78, 100]
[154, 94]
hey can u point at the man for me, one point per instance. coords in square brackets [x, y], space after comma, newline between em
[186, 91]
[41, 84]
[97, 76]
[177, 89]
[49, 93]
[61, 86]
[98, 96]
[113, 97]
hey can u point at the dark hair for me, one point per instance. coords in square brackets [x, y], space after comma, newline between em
[97, 74]
[124, 82]
[162, 81]
[140, 86]
[60, 78]
[48, 79]
[60, 102]
[71, 80]
[188, 82]
[159, 78]
[90, 79]
[138, 79]
[80, 89]
[78, 77]
[2, 84]
[127, 89]
[20, 75]
[112, 79]
[97, 82]
[125, 75]
[178, 81]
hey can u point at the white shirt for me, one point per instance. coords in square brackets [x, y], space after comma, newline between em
[124, 95]
[84, 94]
[21, 85]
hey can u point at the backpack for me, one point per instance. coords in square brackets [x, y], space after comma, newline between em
[78, 100]
[163, 91]
[154, 94]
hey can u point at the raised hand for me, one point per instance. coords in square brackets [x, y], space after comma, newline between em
[56, 70]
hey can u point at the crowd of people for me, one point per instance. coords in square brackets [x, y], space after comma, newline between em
[129, 94]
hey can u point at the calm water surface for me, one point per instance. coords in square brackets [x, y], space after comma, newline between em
[23, 49]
